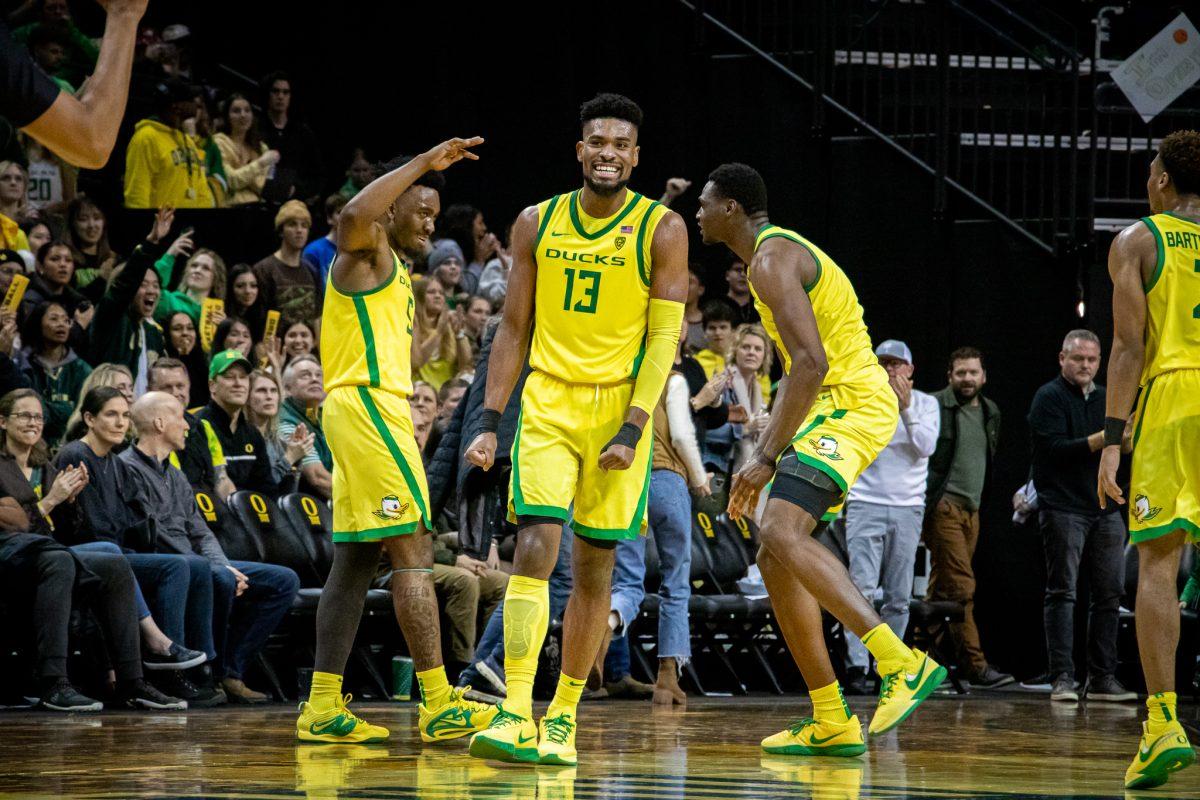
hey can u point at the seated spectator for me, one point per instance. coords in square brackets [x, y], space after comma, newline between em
[87, 231]
[37, 232]
[440, 346]
[170, 376]
[320, 252]
[52, 283]
[80, 58]
[299, 339]
[475, 317]
[287, 282]
[493, 281]
[249, 599]
[53, 368]
[244, 156]
[12, 237]
[445, 263]
[203, 277]
[448, 398]
[242, 299]
[300, 171]
[739, 297]
[49, 45]
[304, 391]
[695, 339]
[52, 181]
[233, 334]
[262, 411]
[11, 263]
[116, 376]
[201, 128]
[469, 591]
[164, 165]
[247, 462]
[183, 344]
[424, 405]
[358, 174]
[750, 382]
[14, 193]
[466, 226]
[719, 321]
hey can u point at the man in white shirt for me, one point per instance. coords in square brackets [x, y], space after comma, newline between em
[886, 506]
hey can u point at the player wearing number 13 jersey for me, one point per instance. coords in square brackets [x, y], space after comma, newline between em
[599, 276]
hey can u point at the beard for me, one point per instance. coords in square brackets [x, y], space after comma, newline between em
[605, 190]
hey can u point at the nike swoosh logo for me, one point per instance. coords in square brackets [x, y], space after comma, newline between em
[1144, 755]
[338, 726]
[819, 740]
[524, 739]
[552, 233]
[913, 683]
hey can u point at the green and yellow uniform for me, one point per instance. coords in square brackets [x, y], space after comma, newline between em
[1165, 482]
[590, 327]
[855, 414]
[379, 487]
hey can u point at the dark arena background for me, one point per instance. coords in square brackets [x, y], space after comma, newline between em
[967, 163]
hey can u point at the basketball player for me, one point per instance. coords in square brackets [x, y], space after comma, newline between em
[1155, 268]
[833, 415]
[380, 498]
[600, 276]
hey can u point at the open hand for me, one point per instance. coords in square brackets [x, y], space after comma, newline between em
[164, 218]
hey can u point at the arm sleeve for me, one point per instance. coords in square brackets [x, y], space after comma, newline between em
[923, 422]
[25, 91]
[664, 320]
[683, 432]
[165, 267]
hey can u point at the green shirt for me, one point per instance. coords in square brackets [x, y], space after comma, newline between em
[169, 302]
[969, 468]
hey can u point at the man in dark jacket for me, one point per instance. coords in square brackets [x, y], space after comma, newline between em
[958, 476]
[1066, 421]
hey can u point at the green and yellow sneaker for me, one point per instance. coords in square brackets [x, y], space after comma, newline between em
[904, 687]
[810, 737]
[456, 717]
[1158, 756]
[556, 740]
[337, 725]
[510, 737]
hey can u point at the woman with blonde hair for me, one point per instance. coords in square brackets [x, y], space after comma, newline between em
[203, 277]
[750, 383]
[440, 344]
[118, 377]
[14, 204]
[262, 411]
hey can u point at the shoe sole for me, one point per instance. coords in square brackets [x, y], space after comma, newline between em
[837, 750]
[491, 750]
[1112, 698]
[326, 738]
[557, 760]
[997, 685]
[153, 706]
[1159, 770]
[927, 687]
[97, 706]
[492, 677]
[1068, 697]
[175, 665]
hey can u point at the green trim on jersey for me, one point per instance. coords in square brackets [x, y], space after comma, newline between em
[545, 220]
[578, 224]
[1162, 253]
[368, 334]
[792, 236]
[643, 272]
[397, 454]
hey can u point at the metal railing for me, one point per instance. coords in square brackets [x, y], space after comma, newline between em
[977, 96]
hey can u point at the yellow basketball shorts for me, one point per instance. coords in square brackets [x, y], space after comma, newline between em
[379, 487]
[1164, 487]
[561, 433]
[846, 429]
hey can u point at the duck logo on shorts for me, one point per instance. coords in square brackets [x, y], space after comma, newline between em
[1142, 510]
[826, 446]
[390, 507]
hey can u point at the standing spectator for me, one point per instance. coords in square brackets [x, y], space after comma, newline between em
[465, 225]
[49, 46]
[54, 369]
[183, 344]
[14, 193]
[262, 411]
[243, 300]
[300, 171]
[81, 52]
[968, 432]
[493, 281]
[299, 339]
[51, 180]
[440, 345]
[358, 175]
[87, 231]
[1066, 421]
[719, 321]
[695, 340]
[165, 166]
[287, 282]
[52, 283]
[233, 334]
[203, 277]
[244, 155]
[320, 252]
[304, 392]
[445, 262]
[885, 507]
[201, 128]
[739, 296]
[249, 599]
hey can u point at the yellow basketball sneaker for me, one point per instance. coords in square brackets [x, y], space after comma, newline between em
[510, 737]
[1158, 756]
[336, 725]
[454, 718]
[904, 687]
[811, 737]
[556, 740]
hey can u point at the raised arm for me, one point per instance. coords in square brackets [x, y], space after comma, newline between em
[512, 338]
[83, 129]
[1132, 253]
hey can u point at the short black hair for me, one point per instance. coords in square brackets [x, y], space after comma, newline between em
[271, 77]
[717, 311]
[966, 354]
[742, 184]
[1180, 154]
[608, 105]
[431, 179]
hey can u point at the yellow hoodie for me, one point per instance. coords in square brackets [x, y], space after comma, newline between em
[165, 166]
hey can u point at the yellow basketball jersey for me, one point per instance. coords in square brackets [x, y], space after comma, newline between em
[1173, 297]
[593, 289]
[366, 337]
[839, 318]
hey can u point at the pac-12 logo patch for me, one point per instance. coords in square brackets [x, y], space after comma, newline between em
[619, 242]
[1142, 510]
[826, 446]
[390, 507]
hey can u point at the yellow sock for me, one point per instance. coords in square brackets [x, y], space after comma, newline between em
[885, 645]
[829, 705]
[326, 691]
[1162, 710]
[435, 688]
[566, 697]
[526, 616]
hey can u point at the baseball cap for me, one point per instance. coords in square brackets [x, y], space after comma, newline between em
[894, 348]
[12, 255]
[225, 359]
